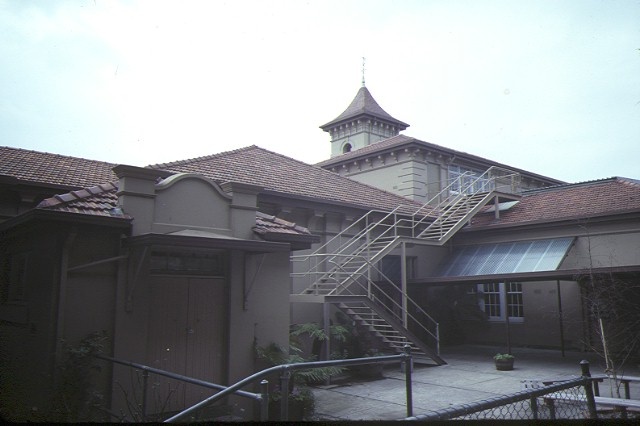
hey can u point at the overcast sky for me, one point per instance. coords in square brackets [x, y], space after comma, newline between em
[550, 86]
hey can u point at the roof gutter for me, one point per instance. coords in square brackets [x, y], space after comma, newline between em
[563, 274]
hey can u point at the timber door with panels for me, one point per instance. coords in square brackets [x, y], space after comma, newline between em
[187, 335]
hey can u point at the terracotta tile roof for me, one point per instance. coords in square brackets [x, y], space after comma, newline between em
[100, 200]
[364, 104]
[267, 224]
[572, 201]
[53, 169]
[402, 140]
[284, 175]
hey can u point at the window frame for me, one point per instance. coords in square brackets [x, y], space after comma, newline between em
[506, 298]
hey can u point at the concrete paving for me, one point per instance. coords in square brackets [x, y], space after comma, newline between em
[469, 376]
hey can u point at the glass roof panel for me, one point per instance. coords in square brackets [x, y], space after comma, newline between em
[505, 258]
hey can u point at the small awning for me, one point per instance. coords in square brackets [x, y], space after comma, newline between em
[506, 258]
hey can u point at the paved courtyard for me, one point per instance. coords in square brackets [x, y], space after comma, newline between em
[469, 376]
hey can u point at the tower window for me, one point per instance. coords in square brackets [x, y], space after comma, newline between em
[346, 148]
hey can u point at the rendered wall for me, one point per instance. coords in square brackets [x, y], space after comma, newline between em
[58, 311]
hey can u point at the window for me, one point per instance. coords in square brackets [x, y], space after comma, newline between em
[465, 180]
[14, 278]
[497, 298]
[211, 264]
[346, 148]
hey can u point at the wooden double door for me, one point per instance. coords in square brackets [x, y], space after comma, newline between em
[187, 336]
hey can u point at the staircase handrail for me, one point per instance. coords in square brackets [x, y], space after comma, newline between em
[363, 231]
[357, 237]
[486, 176]
[369, 294]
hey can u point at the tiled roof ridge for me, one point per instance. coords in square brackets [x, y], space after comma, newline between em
[58, 155]
[203, 157]
[628, 181]
[80, 194]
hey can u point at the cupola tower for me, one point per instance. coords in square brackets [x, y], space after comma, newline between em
[363, 123]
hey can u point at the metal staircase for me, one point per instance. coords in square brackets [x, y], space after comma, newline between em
[344, 270]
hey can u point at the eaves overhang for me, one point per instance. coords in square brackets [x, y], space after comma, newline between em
[66, 217]
[172, 240]
[297, 242]
[623, 215]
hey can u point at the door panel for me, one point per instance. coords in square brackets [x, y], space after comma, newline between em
[186, 336]
[205, 335]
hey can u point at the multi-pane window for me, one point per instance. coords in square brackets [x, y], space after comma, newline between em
[515, 307]
[498, 298]
[466, 180]
[492, 300]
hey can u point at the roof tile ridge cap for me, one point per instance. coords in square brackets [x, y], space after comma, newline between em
[263, 215]
[91, 191]
[201, 158]
[628, 181]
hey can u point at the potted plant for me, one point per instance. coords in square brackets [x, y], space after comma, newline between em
[301, 401]
[504, 362]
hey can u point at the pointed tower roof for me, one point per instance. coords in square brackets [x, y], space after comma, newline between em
[364, 105]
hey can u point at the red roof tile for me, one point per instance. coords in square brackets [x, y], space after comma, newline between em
[100, 200]
[284, 175]
[53, 169]
[573, 201]
[266, 224]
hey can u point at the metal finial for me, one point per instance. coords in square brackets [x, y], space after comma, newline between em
[363, 61]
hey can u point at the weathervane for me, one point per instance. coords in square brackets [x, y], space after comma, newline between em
[363, 61]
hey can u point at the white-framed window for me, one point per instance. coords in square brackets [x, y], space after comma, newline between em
[465, 180]
[500, 299]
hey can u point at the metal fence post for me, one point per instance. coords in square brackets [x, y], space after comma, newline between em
[264, 402]
[145, 380]
[408, 368]
[588, 389]
[284, 395]
[533, 402]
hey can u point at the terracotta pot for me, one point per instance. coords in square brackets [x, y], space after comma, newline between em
[504, 364]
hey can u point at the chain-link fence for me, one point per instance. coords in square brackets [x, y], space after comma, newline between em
[572, 399]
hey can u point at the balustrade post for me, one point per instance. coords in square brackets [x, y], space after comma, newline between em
[588, 389]
[407, 364]
[284, 395]
[264, 402]
[145, 381]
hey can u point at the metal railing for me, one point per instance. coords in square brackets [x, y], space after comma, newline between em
[286, 370]
[413, 318]
[146, 371]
